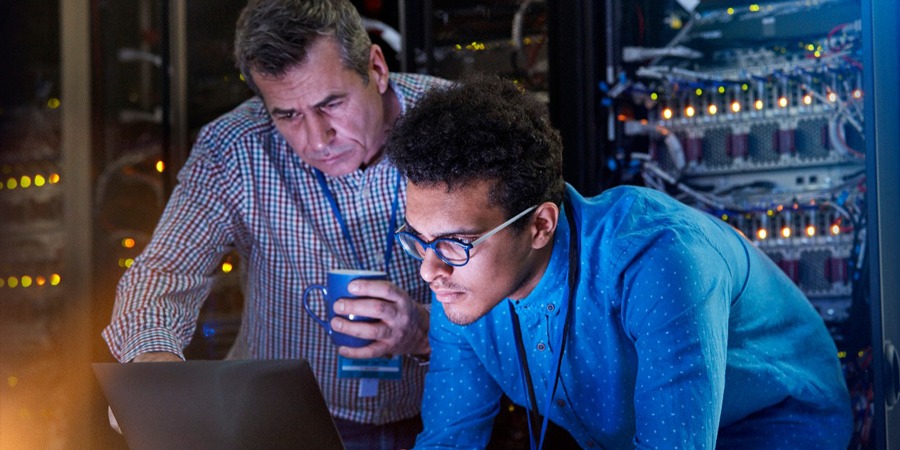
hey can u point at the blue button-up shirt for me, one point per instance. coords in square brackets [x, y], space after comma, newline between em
[681, 330]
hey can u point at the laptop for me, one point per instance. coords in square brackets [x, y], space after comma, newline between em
[241, 404]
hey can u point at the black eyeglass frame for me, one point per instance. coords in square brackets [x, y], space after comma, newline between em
[404, 236]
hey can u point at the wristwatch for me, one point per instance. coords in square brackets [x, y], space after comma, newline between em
[422, 360]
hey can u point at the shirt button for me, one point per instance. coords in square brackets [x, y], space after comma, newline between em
[560, 403]
[541, 346]
[550, 307]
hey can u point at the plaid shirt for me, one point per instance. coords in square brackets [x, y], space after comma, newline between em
[243, 187]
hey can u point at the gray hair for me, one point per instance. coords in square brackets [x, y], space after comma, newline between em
[274, 36]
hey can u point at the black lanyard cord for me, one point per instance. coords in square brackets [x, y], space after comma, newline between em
[535, 422]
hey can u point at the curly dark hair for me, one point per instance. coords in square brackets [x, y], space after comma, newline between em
[273, 36]
[483, 128]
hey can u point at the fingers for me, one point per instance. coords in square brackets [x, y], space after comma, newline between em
[378, 299]
[375, 350]
[401, 325]
[157, 357]
[368, 307]
[112, 420]
[377, 289]
[407, 333]
[379, 331]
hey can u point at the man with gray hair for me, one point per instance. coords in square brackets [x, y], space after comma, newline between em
[295, 180]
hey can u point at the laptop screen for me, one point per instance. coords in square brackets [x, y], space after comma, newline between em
[244, 404]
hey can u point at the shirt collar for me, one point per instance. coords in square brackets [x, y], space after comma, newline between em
[551, 289]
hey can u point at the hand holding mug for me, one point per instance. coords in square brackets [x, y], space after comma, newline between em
[374, 319]
[337, 288]
[402, 325]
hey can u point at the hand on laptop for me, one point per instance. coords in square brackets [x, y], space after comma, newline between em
[402, 327]
[112, 420]
[157, 357]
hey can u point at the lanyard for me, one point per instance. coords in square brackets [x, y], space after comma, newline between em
[560, 342]
[345, 230]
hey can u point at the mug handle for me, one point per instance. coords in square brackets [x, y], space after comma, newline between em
[309, 310]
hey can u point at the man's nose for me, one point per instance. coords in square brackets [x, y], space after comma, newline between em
[319, 132]
[432, 267]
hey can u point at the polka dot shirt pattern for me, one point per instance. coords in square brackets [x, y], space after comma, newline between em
[683, 335]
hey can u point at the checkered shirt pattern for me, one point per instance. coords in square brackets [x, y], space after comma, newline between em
[244, 188]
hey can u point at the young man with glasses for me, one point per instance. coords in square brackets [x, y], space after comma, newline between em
[628, 319]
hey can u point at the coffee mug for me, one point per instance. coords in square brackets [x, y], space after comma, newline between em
[336, 288]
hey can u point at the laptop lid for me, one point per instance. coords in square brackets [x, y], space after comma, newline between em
[243, 404]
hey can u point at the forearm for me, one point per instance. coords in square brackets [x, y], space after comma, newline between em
[461, 398]
[155, 310]
[159, 297]
[125, 346]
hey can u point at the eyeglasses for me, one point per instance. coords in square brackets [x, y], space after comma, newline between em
[450, 250]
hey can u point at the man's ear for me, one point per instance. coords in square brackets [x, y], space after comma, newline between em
[378, 69]
[543, 224]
